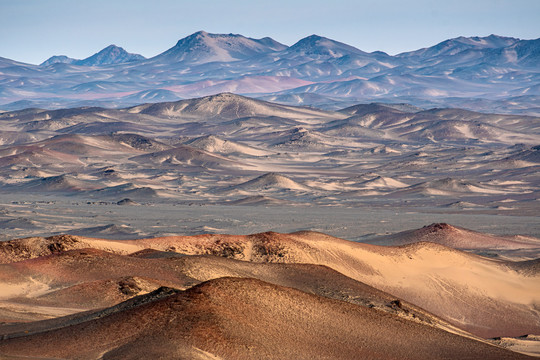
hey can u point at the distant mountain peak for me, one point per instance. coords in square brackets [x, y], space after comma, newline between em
[309, 41]
[111, 48]
[315, 45]
[312, 37]
[202, 47]
[112, 54]
[491, 41]
[200, 33]
[195, 37]
[58, 59]
[456, 45]
[315, 71]
[494, 36]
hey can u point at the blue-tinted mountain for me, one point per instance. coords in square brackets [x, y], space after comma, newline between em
[523, 52]
[317, 46]
[112, 54]
[457, 45]
[493, 73]
[203, 47]
[62, 59]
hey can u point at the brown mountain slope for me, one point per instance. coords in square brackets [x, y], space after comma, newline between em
[486, 297]
[247, 319]
[79, 280]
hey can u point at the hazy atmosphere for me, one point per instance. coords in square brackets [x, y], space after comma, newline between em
[34, 30]
[269, 180]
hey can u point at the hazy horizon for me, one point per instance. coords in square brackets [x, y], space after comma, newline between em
[79, 30]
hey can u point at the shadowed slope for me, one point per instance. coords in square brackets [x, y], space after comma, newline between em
[486, 297]
[87, 279]
[219, 317]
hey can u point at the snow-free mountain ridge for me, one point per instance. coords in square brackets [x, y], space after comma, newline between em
[203, 47]
[491, 74]
[112, 54]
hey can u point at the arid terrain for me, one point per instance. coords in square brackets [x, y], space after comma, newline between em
[272, 295]
[290, 222]
[487, 74]
[208, 165]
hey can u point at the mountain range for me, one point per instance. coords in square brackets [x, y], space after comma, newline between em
[125, 200]
[492, 73]
[112, 54]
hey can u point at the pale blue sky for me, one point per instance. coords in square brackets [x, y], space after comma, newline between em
[33, 30]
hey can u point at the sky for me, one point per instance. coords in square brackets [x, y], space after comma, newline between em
[33, 30]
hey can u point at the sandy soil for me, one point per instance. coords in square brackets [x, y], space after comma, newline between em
[218, 318]
[484, 296]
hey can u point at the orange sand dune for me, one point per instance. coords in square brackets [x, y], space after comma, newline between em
[484, 296]
[244, 319]
[457, 237]
[79, 280]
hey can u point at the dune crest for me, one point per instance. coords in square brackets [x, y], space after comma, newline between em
[218, 318]
[466, 290]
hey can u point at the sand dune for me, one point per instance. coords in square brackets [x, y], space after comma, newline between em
[228, 106]
[383, 182]
[526, 344]
[62, 183]
[94, 294]
[138, 142]
[257, 200]
[530, 155]
[215, 144]
[79, 280]
[269, 182]
[217, 319]
[302, 138]
[16, 137]
[20, 222]
[123, 191]
[349, 127]
[59, 271]
[457, 237]
[220, 138]
[363, 109]
[446, 187]
[486, 297]
[185, 155]
[110, 230]
[36, 156]
[87, 279]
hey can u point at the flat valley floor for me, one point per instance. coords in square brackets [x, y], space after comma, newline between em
[45, 216]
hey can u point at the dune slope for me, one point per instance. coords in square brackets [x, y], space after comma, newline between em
[218, 318]
[87, 279]
[486, 297]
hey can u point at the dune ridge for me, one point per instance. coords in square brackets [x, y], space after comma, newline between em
[217, 317]
[467, 290]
